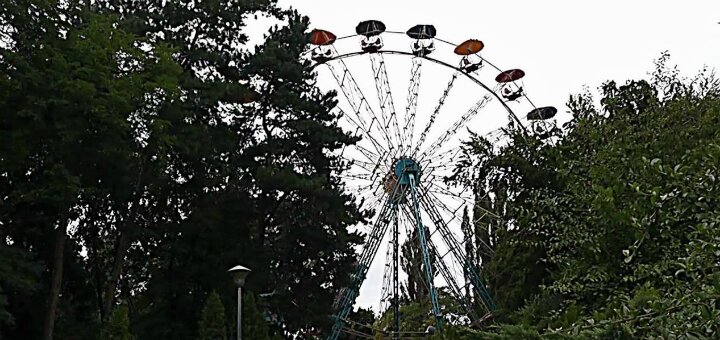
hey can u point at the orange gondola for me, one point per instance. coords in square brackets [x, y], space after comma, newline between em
[509, 76]
[469, 47]
[322, 37]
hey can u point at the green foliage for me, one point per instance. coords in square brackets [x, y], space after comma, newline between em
[18, 275]
[614, 228]
[364, 321]
[212, 319]
[66, 93]
[503, 332]
[415, 316]
[118, 325]
[154, 146]
[168, 159]
[254, 325]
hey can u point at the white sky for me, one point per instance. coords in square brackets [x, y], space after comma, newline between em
[561, 45]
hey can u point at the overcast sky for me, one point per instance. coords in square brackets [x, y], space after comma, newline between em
[561, 45]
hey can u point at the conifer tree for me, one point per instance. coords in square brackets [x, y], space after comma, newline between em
[212, 320]
[254, 325]
[118, 325]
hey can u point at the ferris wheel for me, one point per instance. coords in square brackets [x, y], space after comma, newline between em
[398, 167]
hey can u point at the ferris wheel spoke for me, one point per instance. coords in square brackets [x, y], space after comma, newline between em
[524, 94]
[445, 189]
[452, 212]
[452, 283]
[439, 162]
[358, 102]
[437, 188]
[357, 169]
[412, 101]
[352, 90]
[359, 188]
[460, 123]
[435, 112]
[447, 159]
[433, 170]
[375, 200]
[385, 98]
[363, 190]
[488, 250]
[364, 200]
[367, 166]
[363, 177]
[369, 154]
[380, 167]
[445, 162]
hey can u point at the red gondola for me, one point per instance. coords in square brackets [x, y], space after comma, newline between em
[509, 76]
[542, 113]
[322, 37]
[470, 46]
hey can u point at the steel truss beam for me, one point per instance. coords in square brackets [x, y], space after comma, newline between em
[372, 244]
[455, 248]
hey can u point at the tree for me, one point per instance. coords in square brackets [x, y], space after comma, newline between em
[118, 325]
[71, 79]
[412, 264]
[195, 139]
[610, 228]
[468, 238]
[364, 322]
[140, 140]
[254, 325]
[266, 174]
[212, 319]
[19, 275]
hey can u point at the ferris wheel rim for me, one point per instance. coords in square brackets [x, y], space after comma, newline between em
[444, 41]
[436, 61]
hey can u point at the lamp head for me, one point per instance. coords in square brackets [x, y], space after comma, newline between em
[238, 275]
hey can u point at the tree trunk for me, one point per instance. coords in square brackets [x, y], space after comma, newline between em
[116, 271]
[56, 283]
[123, 246]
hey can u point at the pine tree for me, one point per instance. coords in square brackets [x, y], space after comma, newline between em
[254, 325]
[412, 263]
[118, 325]
[212, 320]
[468, 236]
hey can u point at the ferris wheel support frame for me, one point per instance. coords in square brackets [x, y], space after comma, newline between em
[429, 274]
[372, 244]
[389, 214]
[408, 195]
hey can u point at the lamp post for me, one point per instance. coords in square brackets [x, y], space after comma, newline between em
[238, 274]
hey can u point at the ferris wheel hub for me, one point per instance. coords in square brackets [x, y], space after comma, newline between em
[401, 172]
[404, 168]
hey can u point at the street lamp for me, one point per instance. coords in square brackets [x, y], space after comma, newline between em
[238, 274]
